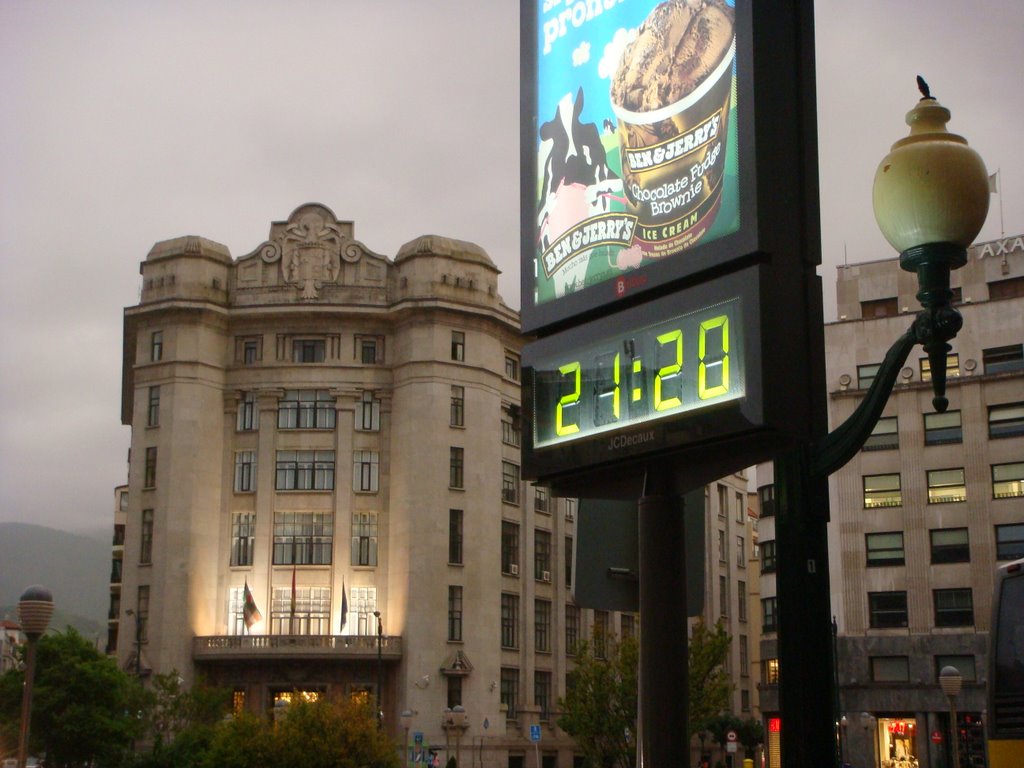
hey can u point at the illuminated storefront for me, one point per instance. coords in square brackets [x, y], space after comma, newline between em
[896, 739]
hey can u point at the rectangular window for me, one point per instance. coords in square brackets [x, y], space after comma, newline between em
[149, 476]
[305, 471]
[362, 602]
[146, 542]
[303, 538]
[142, 613]
[306, 409]
[365, 471]
[882, 491]
[952, 367]
[723, 549]
[156, 346]
[942, 428]
[368, 413]
[456, 464]
[153, 411]
[458, 346]
[866, 374]
[368, 351]
[1006, 420]
[454, 691]
[1003, 359]
[542, 555]
[887, 609]
[723, 501]
[1010, 541]
[511, 366]
[884, 436]
[628, 626]
[509, 692]
[949, 545]
[540, 499]
[884, 548]
[510, 434]
[509, 620]
[769, 614]
[243, 536]
[542, 625]
[364, 538]
[509, 548]
[568, 562]
[770, 671]
[1007, 480]
[879, 308]
[1006, 289]
[890, 669]
[744, 657]
[245, 471]
[741, 552]
[964, 664]
[953, 608]
[542, 693]
[744, 700]
[601, 634]
[306, 612]
[741, 508]
[236, 611]
[572, 629]
[454, 614]
[723, 595]
[458, 407]
[570, 510]
[741, 598]
[766, 495]
[946, 486]
[308, 350]
[455, 536]
[509, 482]
[247, 413]
[250, 351]
[768, 562]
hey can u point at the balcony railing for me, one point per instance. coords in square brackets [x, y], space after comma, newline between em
[214, 647]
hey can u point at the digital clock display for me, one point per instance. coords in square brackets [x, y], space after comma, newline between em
[691, 361]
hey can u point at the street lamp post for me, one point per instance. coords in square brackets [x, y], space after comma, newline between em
[406, 719]
[455, 720]
[930, 199]
[951, 680]
[380, 668]
[34, 611]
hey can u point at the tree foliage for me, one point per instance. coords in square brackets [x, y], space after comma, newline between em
[83, 706]
[751, 735]
[599, 708]
[322, 734]
[710, 685]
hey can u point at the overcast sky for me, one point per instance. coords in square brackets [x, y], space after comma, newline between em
[126, 123]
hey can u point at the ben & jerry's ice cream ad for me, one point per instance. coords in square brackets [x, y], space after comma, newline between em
[636, 148]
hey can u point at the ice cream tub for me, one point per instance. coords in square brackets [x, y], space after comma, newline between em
[671, 95]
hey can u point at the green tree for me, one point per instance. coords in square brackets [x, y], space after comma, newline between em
[82, 708]
[323, 734]
[599, 708]
[709, 682]
[751, 735]
[721, 724]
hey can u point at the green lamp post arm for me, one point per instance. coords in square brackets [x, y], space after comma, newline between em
[840, 445]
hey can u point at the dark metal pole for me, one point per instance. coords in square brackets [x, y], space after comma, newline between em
[26, 699]
[664, 660]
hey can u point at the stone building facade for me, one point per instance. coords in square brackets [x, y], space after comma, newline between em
[337, 432]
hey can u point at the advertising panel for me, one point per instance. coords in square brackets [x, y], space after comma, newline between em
[633, 148]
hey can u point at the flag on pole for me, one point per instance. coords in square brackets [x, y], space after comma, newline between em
[993, 183]
[344, 605]
[250, 613]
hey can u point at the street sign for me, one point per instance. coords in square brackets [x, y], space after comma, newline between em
[730, 741]
[534, 733]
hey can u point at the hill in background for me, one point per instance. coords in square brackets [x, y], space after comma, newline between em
[75, 568]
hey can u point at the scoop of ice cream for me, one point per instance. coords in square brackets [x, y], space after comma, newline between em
[679, 44]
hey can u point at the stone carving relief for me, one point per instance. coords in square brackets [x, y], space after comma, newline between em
[310, 252]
